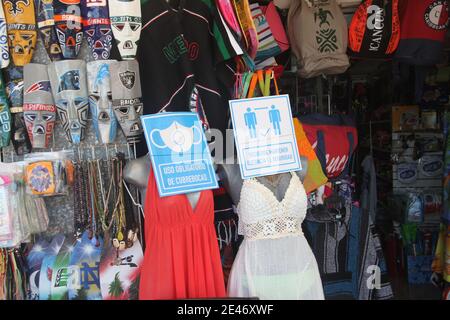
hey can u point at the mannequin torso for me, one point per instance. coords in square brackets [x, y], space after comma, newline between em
[136, 172]
[230, 175]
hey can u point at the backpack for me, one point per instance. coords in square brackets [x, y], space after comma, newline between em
[423, 28]
[374, 31]
[334, 139]
[318, 35]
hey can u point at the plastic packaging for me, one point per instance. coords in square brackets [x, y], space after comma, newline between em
[46, 173]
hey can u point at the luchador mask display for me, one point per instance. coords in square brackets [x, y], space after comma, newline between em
[100, 100]
[68, 82]
[4, 48]
[14, 92]
[45, 16]
[68, 26]
[126, 25]
[21, 25]
[127, 96]
[5, 117]
[97, 28]
[39, 110]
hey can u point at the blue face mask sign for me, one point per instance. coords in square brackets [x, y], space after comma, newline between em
[264, 135]
[179, 153]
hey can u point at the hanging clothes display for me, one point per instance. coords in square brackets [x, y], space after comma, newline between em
[182, 259]
[183, 74]
[274, 260]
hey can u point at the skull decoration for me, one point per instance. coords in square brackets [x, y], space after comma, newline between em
[100, 100]
[97, 28]
[126, 24]
[68, 82]
[38, 108]
[14, 92]
[5, 117]
[126, 94]
[68, 26]
[21, 25]
[4, 48]
[46, 25]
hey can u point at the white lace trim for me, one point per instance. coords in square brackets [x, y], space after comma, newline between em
[276, 227]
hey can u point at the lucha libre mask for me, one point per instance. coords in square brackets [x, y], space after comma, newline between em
[5, 117]
[97, 28]
[39, 110]
[4, 48]
[100, 100]
[68, 83]
[14, 92]
[126, 25]
[126, 94]
[68, 26]
[46, 25]
[21, 25]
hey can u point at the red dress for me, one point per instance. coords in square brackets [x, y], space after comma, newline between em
[182, 258]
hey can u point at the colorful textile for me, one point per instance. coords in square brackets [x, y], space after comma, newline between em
[314, 174]
[348, 254]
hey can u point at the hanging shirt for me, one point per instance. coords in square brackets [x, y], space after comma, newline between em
[182, 53]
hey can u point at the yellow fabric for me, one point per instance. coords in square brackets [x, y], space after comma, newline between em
[441, 262]
[314, 174]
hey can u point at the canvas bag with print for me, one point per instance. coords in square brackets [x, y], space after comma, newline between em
[318, 35]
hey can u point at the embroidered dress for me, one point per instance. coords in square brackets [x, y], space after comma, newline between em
[274, 260]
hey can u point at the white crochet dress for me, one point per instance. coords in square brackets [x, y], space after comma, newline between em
[274, 260]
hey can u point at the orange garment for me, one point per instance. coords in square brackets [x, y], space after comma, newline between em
[314, 174]
[182, 259]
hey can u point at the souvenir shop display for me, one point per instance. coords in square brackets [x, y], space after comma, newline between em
[100, 100]
[45, 16]
[126, 24]
[69, 88]
[5, 116]
[21, 26]
[224, 149]
[127, 97]
[4, 47]
[69, 27]
[38, 106]
[97, 28]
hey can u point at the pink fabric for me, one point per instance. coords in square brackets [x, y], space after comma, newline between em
[227, 11]
[276, 26]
